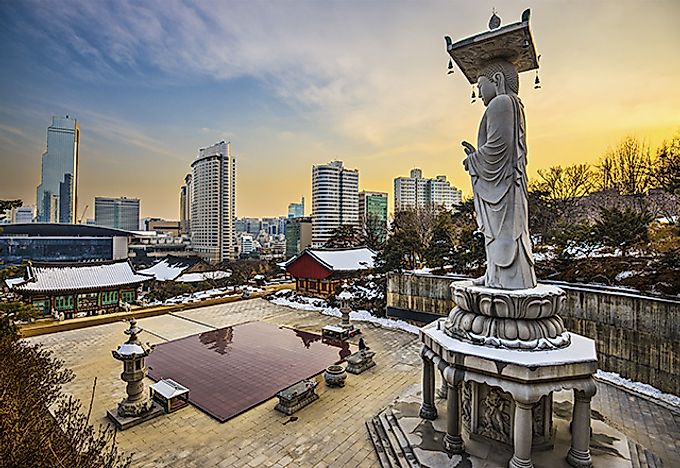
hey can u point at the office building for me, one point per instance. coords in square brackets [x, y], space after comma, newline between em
[296, 210]
[416, 192]
[213, 204]
[163, 226]
[298, 235]
[57, 194]
[335, 200]
[373, 213]
[117, 213]
[185, 194]
[22, 215]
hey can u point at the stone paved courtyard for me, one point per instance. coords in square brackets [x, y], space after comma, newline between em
[329, 432]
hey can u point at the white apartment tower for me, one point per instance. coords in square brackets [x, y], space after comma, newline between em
[416, 192]
[335, 200]
[213, 203]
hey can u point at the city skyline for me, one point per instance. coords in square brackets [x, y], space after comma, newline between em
[343, 82]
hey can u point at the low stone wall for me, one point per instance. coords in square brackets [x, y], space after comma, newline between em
[637, 336]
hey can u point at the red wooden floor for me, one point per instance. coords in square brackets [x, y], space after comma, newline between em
[233, 369]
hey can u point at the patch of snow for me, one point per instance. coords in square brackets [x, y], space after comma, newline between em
[319, 305]
[203, 276]
[639, 387]
[623, 275]
[164, 271]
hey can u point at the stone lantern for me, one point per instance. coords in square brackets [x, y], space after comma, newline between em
[137, 406]
[345, 298]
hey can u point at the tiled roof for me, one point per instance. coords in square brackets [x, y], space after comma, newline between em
[361, 258]
[79, 277]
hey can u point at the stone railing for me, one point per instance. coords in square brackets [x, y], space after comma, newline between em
[637, 336]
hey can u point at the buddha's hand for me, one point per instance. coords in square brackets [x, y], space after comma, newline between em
[469, 149]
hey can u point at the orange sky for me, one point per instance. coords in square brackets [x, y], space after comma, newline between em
[362, 82]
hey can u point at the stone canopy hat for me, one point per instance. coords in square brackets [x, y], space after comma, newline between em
[513, 43]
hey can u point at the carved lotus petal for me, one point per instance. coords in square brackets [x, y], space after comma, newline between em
[485, 304]
[537, 308]
[503, 307]
[510, 329]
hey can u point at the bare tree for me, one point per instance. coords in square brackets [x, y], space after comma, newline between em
[626, 168]
[564, 186]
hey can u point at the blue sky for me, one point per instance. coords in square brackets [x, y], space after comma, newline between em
[294, 83]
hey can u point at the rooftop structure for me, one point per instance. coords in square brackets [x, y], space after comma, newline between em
[321, 271]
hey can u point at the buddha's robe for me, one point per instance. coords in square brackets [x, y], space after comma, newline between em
[499, 184]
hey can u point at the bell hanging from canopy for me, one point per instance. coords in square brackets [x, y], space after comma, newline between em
[450, 67]
[473, 97]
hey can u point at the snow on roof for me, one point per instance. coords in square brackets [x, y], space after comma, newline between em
[83, 276]
[165, 270]
[12, 281]
[130, 349]
[203, 276]
[168, 388]
[361, 258]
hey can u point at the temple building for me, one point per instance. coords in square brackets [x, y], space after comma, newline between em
[319, 272]
[77, 288]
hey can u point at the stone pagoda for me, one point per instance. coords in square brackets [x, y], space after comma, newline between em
[137, 406]
[503, 350]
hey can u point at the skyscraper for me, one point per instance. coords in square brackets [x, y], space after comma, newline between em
[118, 213]
[373, 213]
[57, 194]
[213, 204]
[335, 200]
[185, 195]
[417, 192]
[296, 210]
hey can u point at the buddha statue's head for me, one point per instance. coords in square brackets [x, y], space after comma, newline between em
[498, 77]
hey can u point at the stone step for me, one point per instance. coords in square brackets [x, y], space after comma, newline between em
[398, 444]
[404, 443]
[384, 432]
[640, 457]
[377, 444]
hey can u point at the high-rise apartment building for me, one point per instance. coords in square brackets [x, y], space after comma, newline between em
[417, 192]
[118, 213]
[373, 213]
[335, 200]
[57, 194]
[22, 214]
[185, 194]
[296, 210]
[213, 204]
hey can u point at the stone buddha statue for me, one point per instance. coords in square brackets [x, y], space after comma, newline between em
[497, 168]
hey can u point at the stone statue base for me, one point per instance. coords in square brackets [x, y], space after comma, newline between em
[360, 361]
[132, 409]
[505, 395]
[524, 319]
[488, 413]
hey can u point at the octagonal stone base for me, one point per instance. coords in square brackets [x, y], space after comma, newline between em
[524, 319]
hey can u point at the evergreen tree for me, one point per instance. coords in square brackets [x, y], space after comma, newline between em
[622, 229]
[441, 248]
[404, 247]
[343, 237]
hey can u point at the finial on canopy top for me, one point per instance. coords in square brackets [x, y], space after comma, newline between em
[494, 21]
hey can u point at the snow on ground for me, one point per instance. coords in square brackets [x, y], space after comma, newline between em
[639, 387]
[288, 297]
[623, 275]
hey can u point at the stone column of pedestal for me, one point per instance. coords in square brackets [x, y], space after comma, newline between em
[443, 390]
[453, 442]
[522, 434]
[428, 409]
[579, 453]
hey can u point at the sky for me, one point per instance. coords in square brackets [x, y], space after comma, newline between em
[297, 83]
